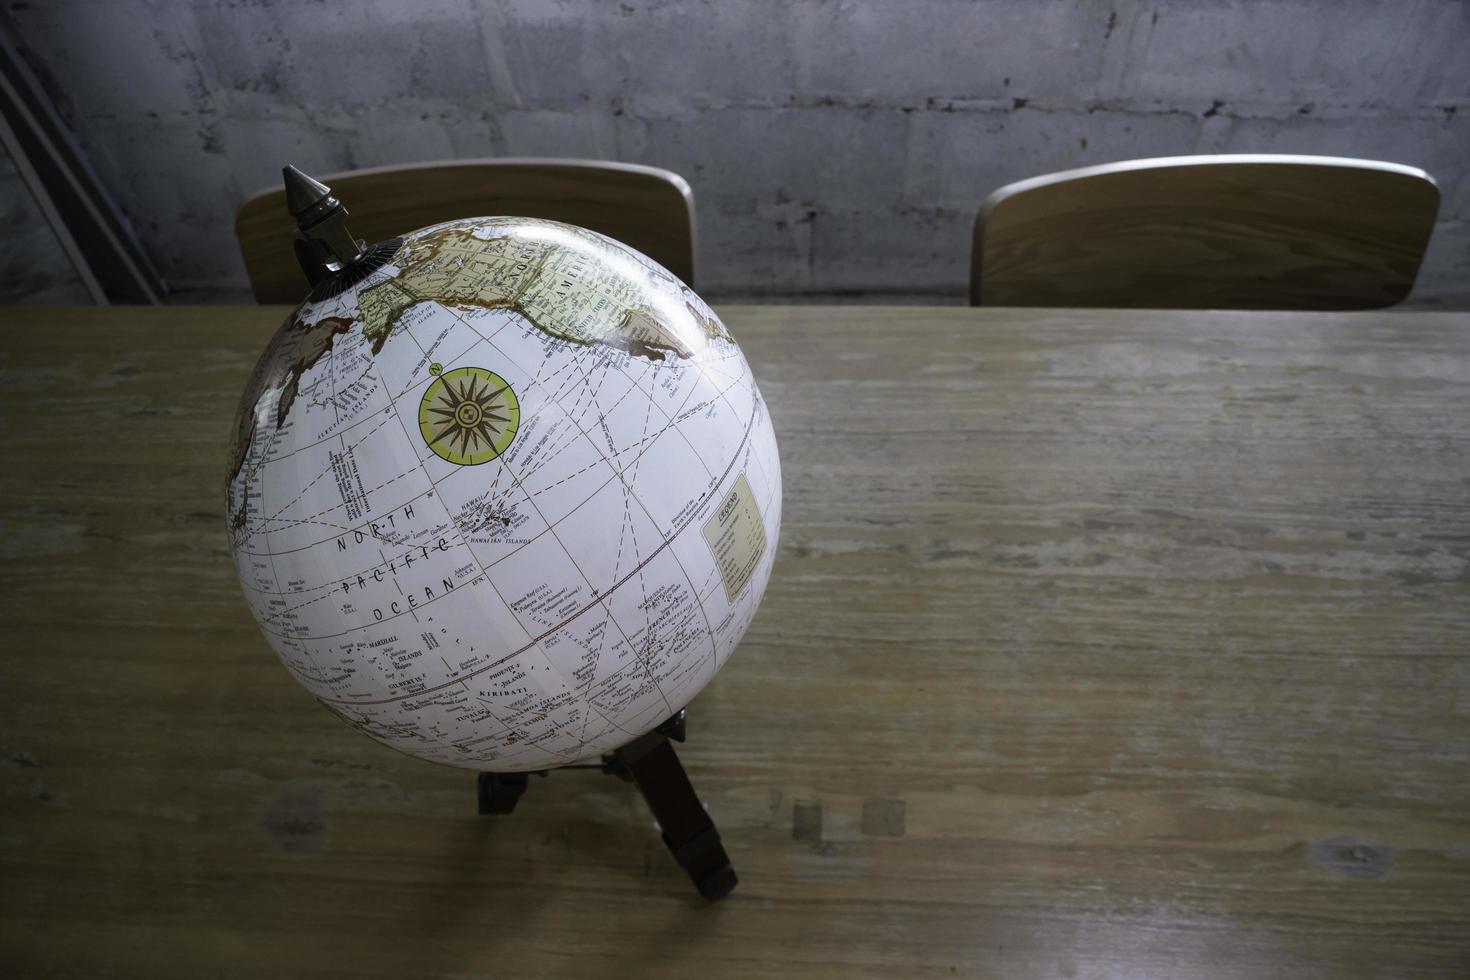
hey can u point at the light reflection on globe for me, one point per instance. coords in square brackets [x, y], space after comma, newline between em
[509, 501]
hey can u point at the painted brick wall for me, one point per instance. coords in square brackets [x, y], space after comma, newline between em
[834, 146]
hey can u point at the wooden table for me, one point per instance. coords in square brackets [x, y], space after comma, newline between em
[1099, 645]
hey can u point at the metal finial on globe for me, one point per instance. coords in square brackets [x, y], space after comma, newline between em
[302, 189]
[323, 243]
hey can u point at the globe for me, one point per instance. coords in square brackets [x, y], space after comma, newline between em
[505, 495]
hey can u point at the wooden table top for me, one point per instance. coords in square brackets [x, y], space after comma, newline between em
[1099, 644]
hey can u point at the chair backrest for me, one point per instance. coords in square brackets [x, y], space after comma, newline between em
[650, 209]
[1257, 231]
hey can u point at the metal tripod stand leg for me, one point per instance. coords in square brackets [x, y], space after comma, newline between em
[650, 762]
[499, 792]
[688, 830]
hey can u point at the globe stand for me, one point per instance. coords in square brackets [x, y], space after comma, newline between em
[651, 763]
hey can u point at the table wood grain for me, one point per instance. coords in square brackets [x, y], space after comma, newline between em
[1099, 644]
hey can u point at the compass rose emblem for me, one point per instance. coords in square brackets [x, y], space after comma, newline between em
[469, 416]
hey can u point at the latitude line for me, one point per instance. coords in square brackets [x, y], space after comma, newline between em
[448, 517]
[515, 482]
[485, 575]
[627, 491]
[484, 572]
[522, 738]
[572, 617]
[576, 360]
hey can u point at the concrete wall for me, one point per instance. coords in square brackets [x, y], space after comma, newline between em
[834, 146]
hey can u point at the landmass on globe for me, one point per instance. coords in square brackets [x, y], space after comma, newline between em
[553, 286]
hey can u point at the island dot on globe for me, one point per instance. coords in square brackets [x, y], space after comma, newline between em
[508, 501]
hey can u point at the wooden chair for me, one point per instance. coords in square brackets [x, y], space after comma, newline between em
[1223, 232]
[650, 209]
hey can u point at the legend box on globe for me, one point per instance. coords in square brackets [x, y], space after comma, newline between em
[737, 536]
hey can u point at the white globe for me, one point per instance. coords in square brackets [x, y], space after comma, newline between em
[509, 501]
